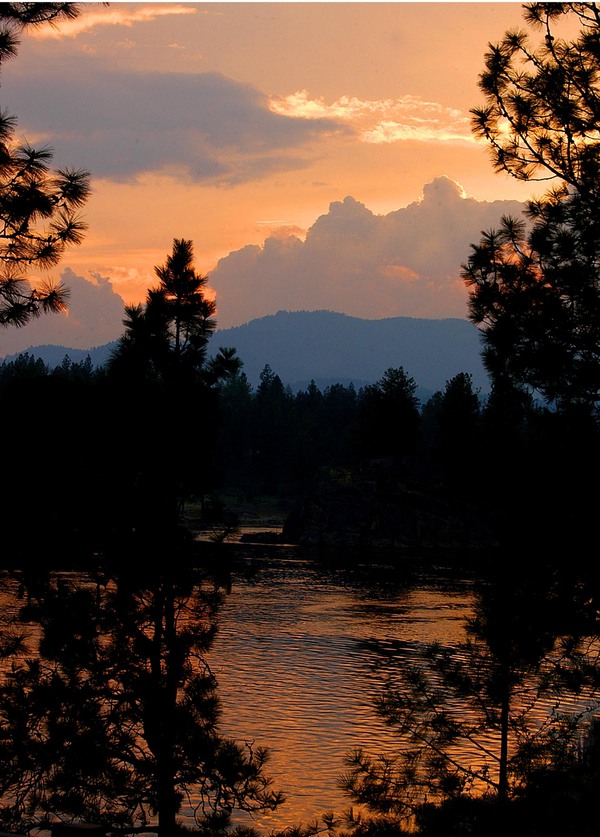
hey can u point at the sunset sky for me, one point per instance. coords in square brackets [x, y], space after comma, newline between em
[318, 154]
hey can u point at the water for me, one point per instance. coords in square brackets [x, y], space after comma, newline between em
[301, 652]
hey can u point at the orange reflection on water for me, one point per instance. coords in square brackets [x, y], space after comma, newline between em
[300, 658]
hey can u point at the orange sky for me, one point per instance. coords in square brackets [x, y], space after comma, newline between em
[228, 123]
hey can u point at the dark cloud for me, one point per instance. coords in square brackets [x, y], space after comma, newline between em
[95, 317]
[406, 263]
[202, 126]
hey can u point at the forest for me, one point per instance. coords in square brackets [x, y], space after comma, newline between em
[109, 712]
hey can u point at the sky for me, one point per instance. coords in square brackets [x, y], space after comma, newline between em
[318, 155]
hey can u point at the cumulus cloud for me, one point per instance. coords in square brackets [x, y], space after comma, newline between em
[94, 317]
[107, 17]
[405, 263]
[382, 120]
[202, 127]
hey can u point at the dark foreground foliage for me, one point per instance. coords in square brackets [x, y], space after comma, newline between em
[110, 713]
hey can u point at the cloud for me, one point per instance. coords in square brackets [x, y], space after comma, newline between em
[382, 120]
[109, 17]
[405, 263]
[202, 127]
[94, 317]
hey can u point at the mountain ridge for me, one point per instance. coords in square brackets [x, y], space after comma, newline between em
[331, 347]
[346, 348]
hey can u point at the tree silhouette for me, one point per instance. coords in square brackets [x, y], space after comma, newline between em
[165, 339]
[237, 432]
[115, 718]
[543, 99]
[535, 295]
[458, 420]
[387, 417]
[160, 368]
[181, 289]
[38, 207]
[273, 403]
[469, 720]
[534, 287]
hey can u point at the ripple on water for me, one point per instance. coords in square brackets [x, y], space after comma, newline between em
[300, 656]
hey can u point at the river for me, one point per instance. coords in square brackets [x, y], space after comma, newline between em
[304, 646]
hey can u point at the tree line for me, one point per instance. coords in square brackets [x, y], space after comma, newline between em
[133, 449]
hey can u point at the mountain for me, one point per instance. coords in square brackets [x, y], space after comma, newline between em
[328, 348]
[54, 355]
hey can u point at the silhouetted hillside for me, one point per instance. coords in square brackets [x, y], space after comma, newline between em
[329, 347]
[54, 355]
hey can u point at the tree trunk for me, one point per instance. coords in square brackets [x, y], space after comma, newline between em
[167, 803]
[503, 769]
[167, 675]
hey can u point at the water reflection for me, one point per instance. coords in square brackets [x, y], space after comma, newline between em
[302, 650]
[301, 653]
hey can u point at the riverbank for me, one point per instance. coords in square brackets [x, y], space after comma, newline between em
[231, 518]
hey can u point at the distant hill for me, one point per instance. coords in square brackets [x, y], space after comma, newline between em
[54, 355]
[328, 348]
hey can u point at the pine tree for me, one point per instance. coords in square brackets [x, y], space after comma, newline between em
[535, 285]
[38, 206]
